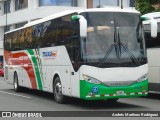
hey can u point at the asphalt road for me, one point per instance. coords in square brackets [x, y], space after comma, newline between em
[30, 100]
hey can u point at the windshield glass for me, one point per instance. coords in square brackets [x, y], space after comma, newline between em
[113, 40]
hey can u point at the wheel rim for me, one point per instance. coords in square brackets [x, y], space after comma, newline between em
[58, 90]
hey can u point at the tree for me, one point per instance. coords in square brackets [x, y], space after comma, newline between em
[147, 6]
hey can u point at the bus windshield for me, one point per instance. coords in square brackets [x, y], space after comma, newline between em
[113, 40]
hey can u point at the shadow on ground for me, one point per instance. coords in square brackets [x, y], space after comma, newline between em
[154, 96]
[83, 104]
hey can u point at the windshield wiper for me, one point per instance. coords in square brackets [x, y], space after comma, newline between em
[106, 55]
[108, 52]
[118, 46]
[128, 51]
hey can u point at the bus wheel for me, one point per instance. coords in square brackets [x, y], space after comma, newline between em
[16, 85]
[58, 96]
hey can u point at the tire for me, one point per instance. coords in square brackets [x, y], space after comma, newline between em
[17, 88]
[57, 91]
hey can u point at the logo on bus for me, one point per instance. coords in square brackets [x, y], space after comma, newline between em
[95, 89]
[50, 54]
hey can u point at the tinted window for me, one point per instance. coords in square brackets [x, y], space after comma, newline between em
[15, 41]
[57, 2]
[22, 38]
[20, 4]
[7, 42]
[28, 38]
[50, 32]
[56, 32]
[97, 3]
[7, 6]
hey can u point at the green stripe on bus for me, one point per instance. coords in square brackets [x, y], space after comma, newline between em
[37, 72]
[102, 91]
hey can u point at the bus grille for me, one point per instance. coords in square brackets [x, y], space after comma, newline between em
[119, 83]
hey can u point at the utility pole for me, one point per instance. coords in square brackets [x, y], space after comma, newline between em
[6, 12]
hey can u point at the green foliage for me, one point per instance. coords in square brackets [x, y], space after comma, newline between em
[145, 6]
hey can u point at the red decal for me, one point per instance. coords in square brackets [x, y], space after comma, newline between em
[24, 61]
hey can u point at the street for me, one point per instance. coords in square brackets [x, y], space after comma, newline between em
[30, 100]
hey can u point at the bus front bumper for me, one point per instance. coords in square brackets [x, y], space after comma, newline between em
[89, 91]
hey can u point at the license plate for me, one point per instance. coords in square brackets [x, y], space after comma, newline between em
[120, 92]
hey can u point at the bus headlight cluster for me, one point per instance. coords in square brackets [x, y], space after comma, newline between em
[91, 79]
[143, 78]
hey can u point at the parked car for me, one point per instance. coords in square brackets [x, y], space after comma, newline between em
[1, 72]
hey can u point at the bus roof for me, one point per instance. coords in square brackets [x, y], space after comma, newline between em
[45, 19]
[154, 15]
[73, 11]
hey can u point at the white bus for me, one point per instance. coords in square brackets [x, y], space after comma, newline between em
[153, 52]
[92, 54]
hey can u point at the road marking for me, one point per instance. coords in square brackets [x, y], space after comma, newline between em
[15, 94]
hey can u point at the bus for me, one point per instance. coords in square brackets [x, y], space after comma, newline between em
[153, 52]
[92, 54]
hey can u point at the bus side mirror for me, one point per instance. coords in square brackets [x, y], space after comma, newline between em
[153, 28]
[83, 24]
[153, 23]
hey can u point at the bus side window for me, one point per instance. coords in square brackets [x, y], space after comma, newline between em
[58, 32]
[53, 33]
[21, 41]
[7, 42]
[29, 38]
[15, 41]
[36, 37]
[73, 46]
[75, 41]
[49, 34]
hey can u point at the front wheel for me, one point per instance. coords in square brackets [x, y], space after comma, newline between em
[57, 90]
[15, 83]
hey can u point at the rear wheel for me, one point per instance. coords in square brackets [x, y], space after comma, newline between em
[16, 84]
[57, 90]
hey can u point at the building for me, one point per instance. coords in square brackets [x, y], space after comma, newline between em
[16, 13]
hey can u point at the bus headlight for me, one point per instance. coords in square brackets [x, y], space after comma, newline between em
[143, 78]
[91, 79]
